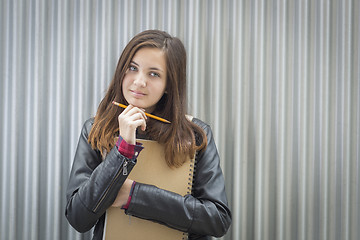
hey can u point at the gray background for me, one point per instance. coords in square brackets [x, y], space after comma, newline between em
[278, 81]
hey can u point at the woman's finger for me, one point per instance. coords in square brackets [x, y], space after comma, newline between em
[127, 109]
[131, 110]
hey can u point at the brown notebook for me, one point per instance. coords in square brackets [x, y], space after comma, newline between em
[150, 168]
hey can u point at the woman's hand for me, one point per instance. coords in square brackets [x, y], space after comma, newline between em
[123, 194]
[129, 120]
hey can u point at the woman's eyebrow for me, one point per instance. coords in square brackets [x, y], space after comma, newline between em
[134, 63]
[156, 69]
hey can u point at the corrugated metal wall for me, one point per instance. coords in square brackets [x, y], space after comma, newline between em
[277, 80]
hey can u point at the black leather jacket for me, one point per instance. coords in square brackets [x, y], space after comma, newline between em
[94, 184]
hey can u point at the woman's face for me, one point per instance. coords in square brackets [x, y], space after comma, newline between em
[145, 80]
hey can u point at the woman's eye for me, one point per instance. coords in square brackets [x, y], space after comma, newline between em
[154, 74]
[132, 68]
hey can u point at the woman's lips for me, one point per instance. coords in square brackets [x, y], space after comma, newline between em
[137, 93]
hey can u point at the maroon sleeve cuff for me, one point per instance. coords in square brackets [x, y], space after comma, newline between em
[129, 150]
[126, 206]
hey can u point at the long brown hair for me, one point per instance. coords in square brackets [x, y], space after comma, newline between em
[182, 137]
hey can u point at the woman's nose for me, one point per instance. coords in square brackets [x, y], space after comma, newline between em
[140, 80]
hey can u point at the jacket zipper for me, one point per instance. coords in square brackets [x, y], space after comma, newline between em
[125, 172]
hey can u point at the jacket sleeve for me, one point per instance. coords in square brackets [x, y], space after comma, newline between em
[204, 212]
[93, 183]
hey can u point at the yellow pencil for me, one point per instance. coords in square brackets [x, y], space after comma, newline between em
[147, 114]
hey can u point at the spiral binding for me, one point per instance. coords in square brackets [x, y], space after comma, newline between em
[191, 174]
[190, 185]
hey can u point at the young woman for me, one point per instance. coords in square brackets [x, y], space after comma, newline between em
[150, 78]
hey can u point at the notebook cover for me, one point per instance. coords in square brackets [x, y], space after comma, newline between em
[150, 168]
